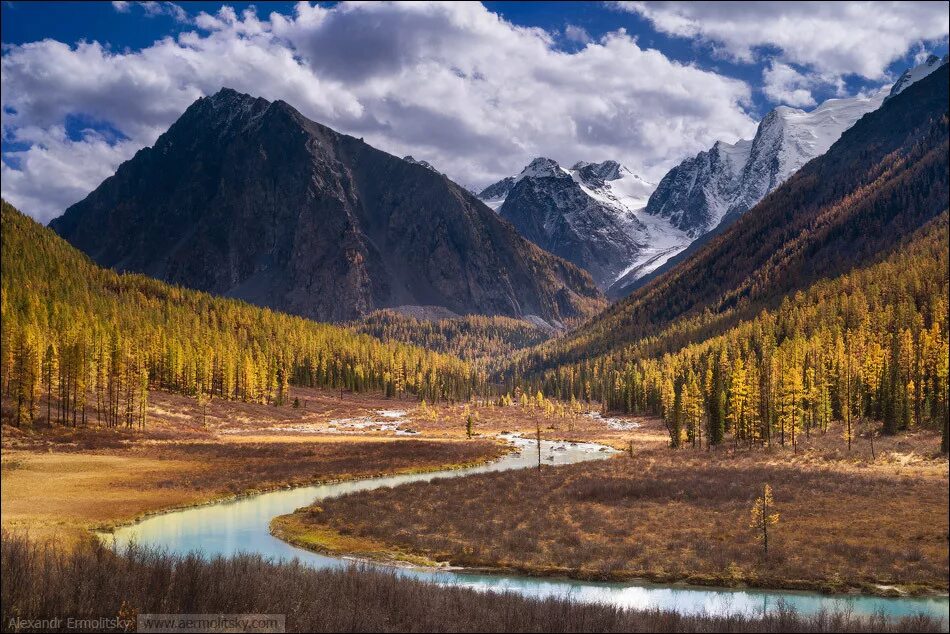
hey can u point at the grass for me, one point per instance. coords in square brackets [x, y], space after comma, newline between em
[40, 580]
[848, 523]
[64, 481]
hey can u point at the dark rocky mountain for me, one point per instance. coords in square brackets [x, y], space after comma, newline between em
[248, 198]
[494, 195]
[590, 214]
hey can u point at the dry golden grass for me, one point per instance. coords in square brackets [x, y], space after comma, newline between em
[847, 521]
[60, 482]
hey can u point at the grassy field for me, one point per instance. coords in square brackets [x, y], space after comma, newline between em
[60, 482]
[847, 521]
[91, 582]
[63, 481]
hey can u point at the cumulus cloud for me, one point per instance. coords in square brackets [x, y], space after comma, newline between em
[839, 38]
[451, 83]
[44, 178]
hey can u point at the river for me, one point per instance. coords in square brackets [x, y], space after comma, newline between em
[233, 526]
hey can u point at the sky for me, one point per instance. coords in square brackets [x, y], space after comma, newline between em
[476, 89]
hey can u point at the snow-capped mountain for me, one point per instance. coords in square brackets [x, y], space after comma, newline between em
[731, 178]
[590, 214]
[620, 228]
[494, 195]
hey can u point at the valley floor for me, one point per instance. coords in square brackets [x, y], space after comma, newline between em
[61, 482]
[848, 522]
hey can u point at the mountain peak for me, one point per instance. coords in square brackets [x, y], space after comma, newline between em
[606, 171]
[917, 73]
[542, 167]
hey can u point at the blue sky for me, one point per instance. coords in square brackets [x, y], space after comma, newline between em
[476, 89]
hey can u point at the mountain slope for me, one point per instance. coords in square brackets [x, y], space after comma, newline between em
[248, 198]
[549, 207]
[884, 178]
[866, 346]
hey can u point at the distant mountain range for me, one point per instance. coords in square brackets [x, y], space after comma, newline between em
[250, 199]
[882, 180]
[623, 230]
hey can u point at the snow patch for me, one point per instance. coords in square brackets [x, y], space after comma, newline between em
[617, 424]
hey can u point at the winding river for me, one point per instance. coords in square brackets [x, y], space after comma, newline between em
[230, 527]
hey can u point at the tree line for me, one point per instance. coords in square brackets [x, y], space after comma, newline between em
[869, 344]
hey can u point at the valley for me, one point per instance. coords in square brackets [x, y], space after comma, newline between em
[254, 363]
[678, 517]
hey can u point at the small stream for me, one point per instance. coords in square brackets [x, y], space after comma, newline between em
[231, 527]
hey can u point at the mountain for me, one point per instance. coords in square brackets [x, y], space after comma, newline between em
[59, 307]
[917, 73]
[717, 186]
[698, 193]
[248, 198]
[589, 214]
[494, 195]
[886, 177]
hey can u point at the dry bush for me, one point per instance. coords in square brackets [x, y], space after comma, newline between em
[42, 580]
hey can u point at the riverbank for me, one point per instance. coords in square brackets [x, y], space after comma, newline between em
[848, 523]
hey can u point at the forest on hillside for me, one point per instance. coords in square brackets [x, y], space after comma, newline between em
[94, 342]
[872, 343]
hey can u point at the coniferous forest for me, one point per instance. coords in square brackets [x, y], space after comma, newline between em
[871, 344]
[97, 341]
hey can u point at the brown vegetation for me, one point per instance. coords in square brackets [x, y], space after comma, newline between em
[847, 521]
[91, 582]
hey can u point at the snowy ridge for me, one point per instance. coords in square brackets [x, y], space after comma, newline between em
[591, 214]
[620, 227]
[917, 73]
[731, 178]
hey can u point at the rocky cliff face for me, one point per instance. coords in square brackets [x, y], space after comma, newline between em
[553, 208]
[248, 198]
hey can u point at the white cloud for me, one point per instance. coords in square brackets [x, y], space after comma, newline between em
[838, 38]
[450, 83]
[54, 169]
[784, 84]
[154, 9]
[577, 34]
